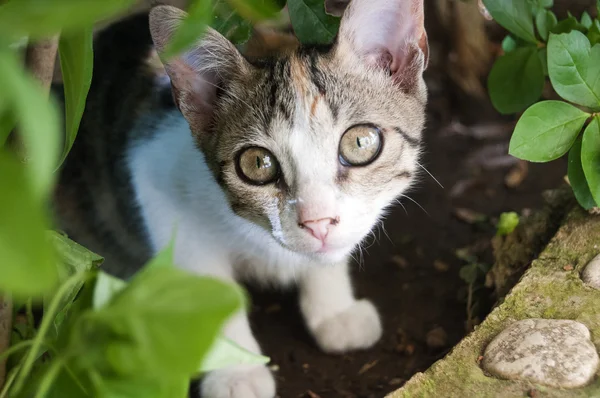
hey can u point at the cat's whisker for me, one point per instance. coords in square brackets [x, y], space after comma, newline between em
[400, 203]
[415, 202]
[431, 175]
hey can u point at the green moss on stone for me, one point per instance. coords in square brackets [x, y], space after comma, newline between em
[550, 288]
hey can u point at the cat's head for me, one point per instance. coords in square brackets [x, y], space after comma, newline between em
[315, 144]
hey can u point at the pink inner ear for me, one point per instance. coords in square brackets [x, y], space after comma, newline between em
[381, 31]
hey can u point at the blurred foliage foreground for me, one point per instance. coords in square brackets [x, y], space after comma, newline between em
[101, 336]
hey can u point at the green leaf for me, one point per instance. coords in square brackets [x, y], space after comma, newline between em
[573, 67]
[507, 223]
[225, 352]
[516, 80]
[146, 388]
[164, 258]
[255, 10]
[546, 131]
[543, 54]
[567, 25]
[72, 258]
[593, 34]
[546, 3]
[37, 119]
[590, 157]
[40, 18]
[190, 30]
[163, 322]
[310, 22]
[76, 64]
[7, 123]
[229, 23]
[586, 20]
[514, 15]
[26, 257]
[469, 273]
[509, 44]
[105, 289]
[577, 179]
[545, 21]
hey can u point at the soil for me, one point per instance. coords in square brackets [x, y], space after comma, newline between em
[411, 270]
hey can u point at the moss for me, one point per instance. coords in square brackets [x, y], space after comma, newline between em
[550, 288]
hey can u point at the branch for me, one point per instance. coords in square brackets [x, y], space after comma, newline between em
[39, 60]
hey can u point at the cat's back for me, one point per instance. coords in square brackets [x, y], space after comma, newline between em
[94, 198]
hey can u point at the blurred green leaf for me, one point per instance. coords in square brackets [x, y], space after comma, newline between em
[509, 44]
[586, 20]
[7, 123]
[105, 288]
[546, 131]
[26, 257]
[255, 10]
[225, 352]
[146, 388]
[190, 29]
[507, 223]
[164, 258]
[37, 120]
[310, 22]
[76, 64]
[163, 322]
[577, 179]
[72, 258]
[543, 54]
[567, 25]
[593, 34]
[229, 23]
[516, 80]
[514, 15]
[469, 273]
[573, 68]
[40, 18]
[545, 21]
[590, 157]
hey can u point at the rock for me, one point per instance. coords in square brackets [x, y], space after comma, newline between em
[591, 273]
[436, 338]
[556, 353]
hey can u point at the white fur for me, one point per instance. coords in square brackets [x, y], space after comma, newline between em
[175, 189]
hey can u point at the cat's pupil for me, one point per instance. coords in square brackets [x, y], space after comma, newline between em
[258, 162]
[358, 142]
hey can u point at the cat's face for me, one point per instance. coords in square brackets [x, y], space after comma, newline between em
[313, 145]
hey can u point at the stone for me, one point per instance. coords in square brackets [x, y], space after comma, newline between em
[591, 273]
[557, 353]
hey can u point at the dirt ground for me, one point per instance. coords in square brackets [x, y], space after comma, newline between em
[411, 270]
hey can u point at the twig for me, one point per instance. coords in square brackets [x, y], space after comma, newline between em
[40, 58]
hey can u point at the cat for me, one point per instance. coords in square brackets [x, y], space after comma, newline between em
[272, 170]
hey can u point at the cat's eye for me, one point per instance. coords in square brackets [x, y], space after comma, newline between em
[360, 145]
[257, 166]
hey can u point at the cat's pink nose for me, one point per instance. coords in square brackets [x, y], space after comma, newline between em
[319, 228]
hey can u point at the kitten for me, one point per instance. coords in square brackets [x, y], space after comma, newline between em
[273, 170]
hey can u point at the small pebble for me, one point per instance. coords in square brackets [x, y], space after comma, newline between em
[552, 352]
[591, 273]
[440, 266]
[436, 338]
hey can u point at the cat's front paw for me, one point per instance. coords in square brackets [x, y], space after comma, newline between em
[357, 327]
[239, 382]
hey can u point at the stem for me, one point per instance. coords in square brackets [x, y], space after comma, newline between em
[14, 348]
[40, 59]
[469, 307]
[9, 381]
[47, 320]
[49, 378]
[6, 315]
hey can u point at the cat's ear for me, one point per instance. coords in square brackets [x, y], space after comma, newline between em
[197, 74]
[389, 34]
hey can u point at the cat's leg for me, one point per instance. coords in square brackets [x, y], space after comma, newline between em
[247, 381]
[335, 318]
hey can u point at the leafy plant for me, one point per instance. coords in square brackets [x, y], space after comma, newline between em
[568, 52]
[99, 335]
